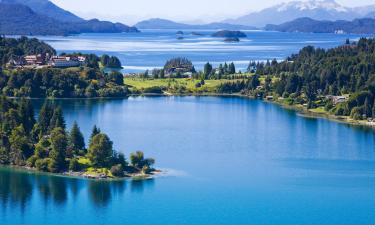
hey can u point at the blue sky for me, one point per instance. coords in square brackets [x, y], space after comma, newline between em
[131, 11]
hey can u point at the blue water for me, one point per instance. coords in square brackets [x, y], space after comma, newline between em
[230, 161]
[152, 48]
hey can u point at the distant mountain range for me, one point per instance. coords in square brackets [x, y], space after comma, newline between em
[42, 17]
[157, 23]
[315, 9]
[357, 26]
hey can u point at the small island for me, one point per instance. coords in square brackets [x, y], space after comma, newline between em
[229, 34]
[232, 39]
[45, 145]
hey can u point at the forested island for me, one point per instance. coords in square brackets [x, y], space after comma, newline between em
[31, 68]
[46, 145]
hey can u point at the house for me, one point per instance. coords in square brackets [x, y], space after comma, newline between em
[339, 99]
[64, 61]
[16, 62]
[35, 59]
[269, 98]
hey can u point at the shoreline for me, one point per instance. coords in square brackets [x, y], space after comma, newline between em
[298, 108]
[82, 175]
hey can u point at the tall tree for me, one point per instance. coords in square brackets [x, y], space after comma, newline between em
[59, 144]
[76, 139]
[100, 151]
[19, 146]
[57, 119]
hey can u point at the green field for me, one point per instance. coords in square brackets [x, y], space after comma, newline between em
[188, 83]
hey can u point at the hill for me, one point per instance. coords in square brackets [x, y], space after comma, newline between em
[47, 8]
[315, 9]
[158, 23]
[20, 19]
[357, 26]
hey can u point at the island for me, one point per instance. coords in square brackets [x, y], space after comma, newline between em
[229, 34]
[45, 145]
[232, 39]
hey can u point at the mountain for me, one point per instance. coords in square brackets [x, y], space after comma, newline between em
[20, 19]
[315, 9]
[158, 23]
[357, 26]
[47, 8]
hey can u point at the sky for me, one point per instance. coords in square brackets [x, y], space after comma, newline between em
[193, 11]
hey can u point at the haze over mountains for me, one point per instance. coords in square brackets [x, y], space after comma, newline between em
[42, 17]
[314, 9]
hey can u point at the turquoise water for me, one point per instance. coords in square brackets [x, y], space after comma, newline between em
[152, 48]
[230, 161]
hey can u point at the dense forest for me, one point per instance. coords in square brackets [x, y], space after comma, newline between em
[46, 145]
[86, 81]
[314, 75]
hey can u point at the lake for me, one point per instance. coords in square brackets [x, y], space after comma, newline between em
[152, 48]
[229, 161]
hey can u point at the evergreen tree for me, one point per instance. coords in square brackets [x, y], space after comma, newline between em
[207, 70]
[100, 151]
[76, 139]
[59, 144]
[45, 116]
[57, 119]
[26, 111]
[95, 131]
[20, 148]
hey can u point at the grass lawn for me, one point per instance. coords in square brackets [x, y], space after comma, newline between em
[188, 83]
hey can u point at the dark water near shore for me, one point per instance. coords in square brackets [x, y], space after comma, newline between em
[231, 161]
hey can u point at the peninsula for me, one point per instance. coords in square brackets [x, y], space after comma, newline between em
[45, 145]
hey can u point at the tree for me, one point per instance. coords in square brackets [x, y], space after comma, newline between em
[136, 159]
[20, 148]
[45, 116]
[57, 119]
[100, 151]
[26, 112]
[232, 68]
[59, 144]
[207, 70]
[76, 139]
[94, 132]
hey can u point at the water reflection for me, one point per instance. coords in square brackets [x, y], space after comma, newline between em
[18, 187]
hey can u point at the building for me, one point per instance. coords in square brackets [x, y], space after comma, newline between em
[35, 59]
[66, 61]
[16, 61]
[339, 99]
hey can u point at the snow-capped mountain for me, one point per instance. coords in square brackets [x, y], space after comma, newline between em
[315, 9]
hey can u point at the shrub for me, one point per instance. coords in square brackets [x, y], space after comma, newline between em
[74, 165]
[117, 170]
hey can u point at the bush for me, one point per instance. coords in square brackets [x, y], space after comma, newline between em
[42, 164]
[117, 170]
[31, 161]
[74, 165]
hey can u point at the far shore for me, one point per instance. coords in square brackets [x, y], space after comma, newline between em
[299, 108]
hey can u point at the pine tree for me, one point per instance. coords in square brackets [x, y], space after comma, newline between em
[27, 115]
[76, 139]
[59, 144]
[19, 146]
[45, 116]
[95, 131]
[100, 151]
[57, 119]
